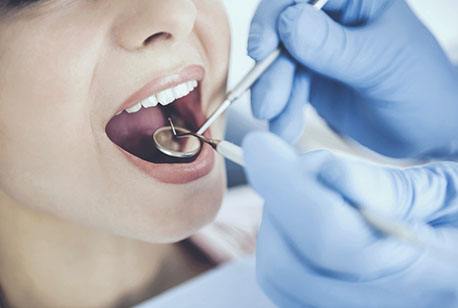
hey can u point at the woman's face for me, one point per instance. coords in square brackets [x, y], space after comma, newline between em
[68, 68]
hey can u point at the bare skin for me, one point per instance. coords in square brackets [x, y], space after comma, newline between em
[82, 267]
[79, 225]
[59, 263]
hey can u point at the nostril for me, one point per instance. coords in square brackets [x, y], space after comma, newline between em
[157, 37]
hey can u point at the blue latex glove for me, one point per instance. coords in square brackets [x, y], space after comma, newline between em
[369, 67]
[315, 250]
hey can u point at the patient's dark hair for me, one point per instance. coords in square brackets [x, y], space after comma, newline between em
[14, 4]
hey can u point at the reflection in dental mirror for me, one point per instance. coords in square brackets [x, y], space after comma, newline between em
[175, 142]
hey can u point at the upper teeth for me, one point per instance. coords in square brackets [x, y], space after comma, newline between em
[165, 97]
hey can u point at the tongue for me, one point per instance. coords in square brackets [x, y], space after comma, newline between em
[133, 133]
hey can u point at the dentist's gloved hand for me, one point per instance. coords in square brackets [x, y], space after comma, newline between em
[315, 250]
[369, 67]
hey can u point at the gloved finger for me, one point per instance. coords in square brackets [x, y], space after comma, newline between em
[329, 230]
[263, 37]
[289, 279]
[412, 194]
[289, 125]
[323, 45]
[271, 92]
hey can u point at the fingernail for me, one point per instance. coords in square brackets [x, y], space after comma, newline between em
[291, 14]
[260, 113]
[260, 106]
[288, 24]
[255, 39]
[303, 19]
[262, 109]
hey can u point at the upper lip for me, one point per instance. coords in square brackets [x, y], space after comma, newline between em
[191, 72]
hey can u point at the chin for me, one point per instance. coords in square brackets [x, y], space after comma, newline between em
[176, 212]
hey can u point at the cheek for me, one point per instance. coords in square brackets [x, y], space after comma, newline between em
[44, 90]
[181, 213]
[43, 107]
[45, 132]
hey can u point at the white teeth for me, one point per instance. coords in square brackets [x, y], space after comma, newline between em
[191, 85]
[181, 91]
[134, 109]
[150, 102]
[165, 97]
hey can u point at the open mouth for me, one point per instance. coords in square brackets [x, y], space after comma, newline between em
[132, 129]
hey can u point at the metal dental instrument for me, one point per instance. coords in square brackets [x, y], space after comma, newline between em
[241, 88]
[162, 139]
[166, 140]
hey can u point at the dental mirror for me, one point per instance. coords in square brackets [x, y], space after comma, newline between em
[176, 142]
[181, 143]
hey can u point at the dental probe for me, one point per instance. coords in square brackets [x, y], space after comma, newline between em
[250, 78]
[164, 137]
[240, 89]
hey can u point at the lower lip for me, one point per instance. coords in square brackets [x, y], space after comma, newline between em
[177, 173]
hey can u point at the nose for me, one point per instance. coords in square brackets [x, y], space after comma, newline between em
[146, 22]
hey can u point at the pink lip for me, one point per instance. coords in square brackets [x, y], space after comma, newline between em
[177, 173]
[192, 72]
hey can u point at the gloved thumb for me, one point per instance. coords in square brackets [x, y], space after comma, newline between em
[323, 45]
[414, 194]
